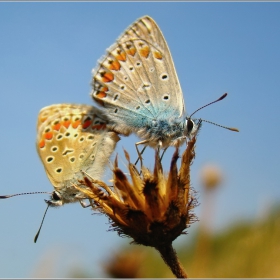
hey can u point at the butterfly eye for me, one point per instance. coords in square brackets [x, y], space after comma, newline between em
[56, 196]
[189, 125]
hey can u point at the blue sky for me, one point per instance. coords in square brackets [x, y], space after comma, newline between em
[47, 51]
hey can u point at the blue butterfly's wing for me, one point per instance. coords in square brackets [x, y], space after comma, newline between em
[136, 81]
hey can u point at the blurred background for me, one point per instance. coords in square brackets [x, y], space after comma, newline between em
[47, 52]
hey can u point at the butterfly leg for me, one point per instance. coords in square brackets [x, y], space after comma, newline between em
[141, 154]
[163, 154]
[138, 152]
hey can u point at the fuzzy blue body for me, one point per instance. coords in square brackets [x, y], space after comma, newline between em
[163, 131]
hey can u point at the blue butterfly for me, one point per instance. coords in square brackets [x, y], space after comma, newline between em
[137, 84]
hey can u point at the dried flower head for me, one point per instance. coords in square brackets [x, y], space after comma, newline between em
[151, 208]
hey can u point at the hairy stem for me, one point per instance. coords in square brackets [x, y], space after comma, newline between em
[169, 256]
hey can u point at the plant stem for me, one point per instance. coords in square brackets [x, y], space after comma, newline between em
[169, 256]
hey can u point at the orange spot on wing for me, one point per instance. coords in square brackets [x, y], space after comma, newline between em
[42, 144]
[121, 56]
[115, 65]
[75, 124]
[103, 89]
[56, 126]
[107, 77]
[131, 51]
[48, 135]
[66, 124]
[101, 94]
[145, 51]
[157, 55]
[87, 123]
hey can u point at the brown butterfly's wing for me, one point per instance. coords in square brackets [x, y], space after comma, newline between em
[71, 138]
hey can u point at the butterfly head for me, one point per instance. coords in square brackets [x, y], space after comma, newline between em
[67, 194]
[192, 126]
[55, 199]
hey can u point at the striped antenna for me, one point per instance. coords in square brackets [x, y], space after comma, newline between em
[219, 99]
[38, 232]
[11, 195]
[226, 127]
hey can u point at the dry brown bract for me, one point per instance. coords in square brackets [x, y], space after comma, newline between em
[151, 208]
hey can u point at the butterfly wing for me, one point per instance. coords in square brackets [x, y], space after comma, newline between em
[136, 81]
[71, 138]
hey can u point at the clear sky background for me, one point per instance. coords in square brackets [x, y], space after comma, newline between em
[47, 51]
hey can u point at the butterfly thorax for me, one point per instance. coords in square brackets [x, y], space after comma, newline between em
[168, 132]
[65, 194]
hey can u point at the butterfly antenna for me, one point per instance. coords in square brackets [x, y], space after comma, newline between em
[226, 127]
[11, 195]
[37, 234]
[219, 99]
